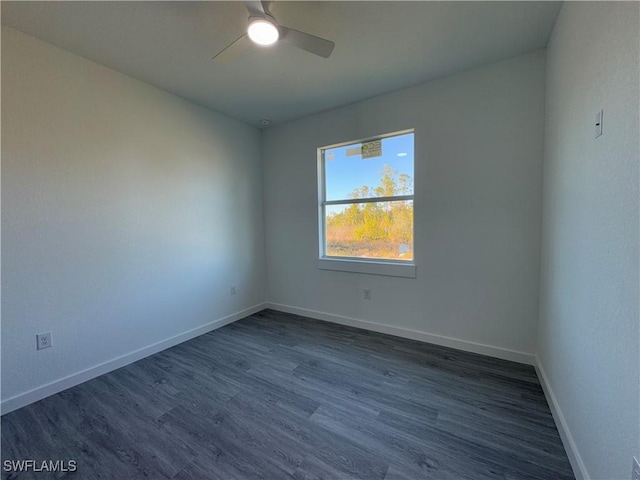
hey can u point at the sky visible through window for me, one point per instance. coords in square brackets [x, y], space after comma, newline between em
[382, 227]
[344, 174]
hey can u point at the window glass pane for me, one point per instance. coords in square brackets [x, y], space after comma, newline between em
[349, 175]
[382, 230]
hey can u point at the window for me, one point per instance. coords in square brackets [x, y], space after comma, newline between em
[366, 200]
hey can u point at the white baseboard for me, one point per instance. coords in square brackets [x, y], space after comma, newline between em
[497, 352]
[578, 466]
[74, 379]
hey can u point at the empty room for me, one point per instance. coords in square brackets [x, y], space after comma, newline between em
[320, 240]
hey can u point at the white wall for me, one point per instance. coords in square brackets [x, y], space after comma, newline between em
[589, 324]
[479, 145]
[127, 213]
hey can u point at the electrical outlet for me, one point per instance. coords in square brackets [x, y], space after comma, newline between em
[43, 340]
[233, 290]
[636, 469]
[366, 294]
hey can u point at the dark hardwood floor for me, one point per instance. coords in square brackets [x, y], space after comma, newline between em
[277, 396]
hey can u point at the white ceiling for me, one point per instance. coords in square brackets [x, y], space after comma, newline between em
[380, 47]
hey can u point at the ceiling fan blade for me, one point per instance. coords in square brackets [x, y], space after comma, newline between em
[306, 41]
[233, 50]
[256, 8]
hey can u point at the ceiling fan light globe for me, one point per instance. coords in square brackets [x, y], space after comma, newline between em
[263, 32]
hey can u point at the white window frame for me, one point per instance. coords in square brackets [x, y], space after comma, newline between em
[372, 266]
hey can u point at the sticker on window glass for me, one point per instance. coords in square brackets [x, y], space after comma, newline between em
[352, 152]
[372, 149]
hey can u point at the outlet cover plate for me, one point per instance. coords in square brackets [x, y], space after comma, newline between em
[43, 340]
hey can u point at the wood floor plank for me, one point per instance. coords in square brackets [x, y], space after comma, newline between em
[279, 396]
[415, 454]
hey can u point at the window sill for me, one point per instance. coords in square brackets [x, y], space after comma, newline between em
[391, 269]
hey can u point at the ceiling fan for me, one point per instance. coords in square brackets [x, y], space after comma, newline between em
[264, 30]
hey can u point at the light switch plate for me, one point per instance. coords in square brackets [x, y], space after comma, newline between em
[599, 123]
